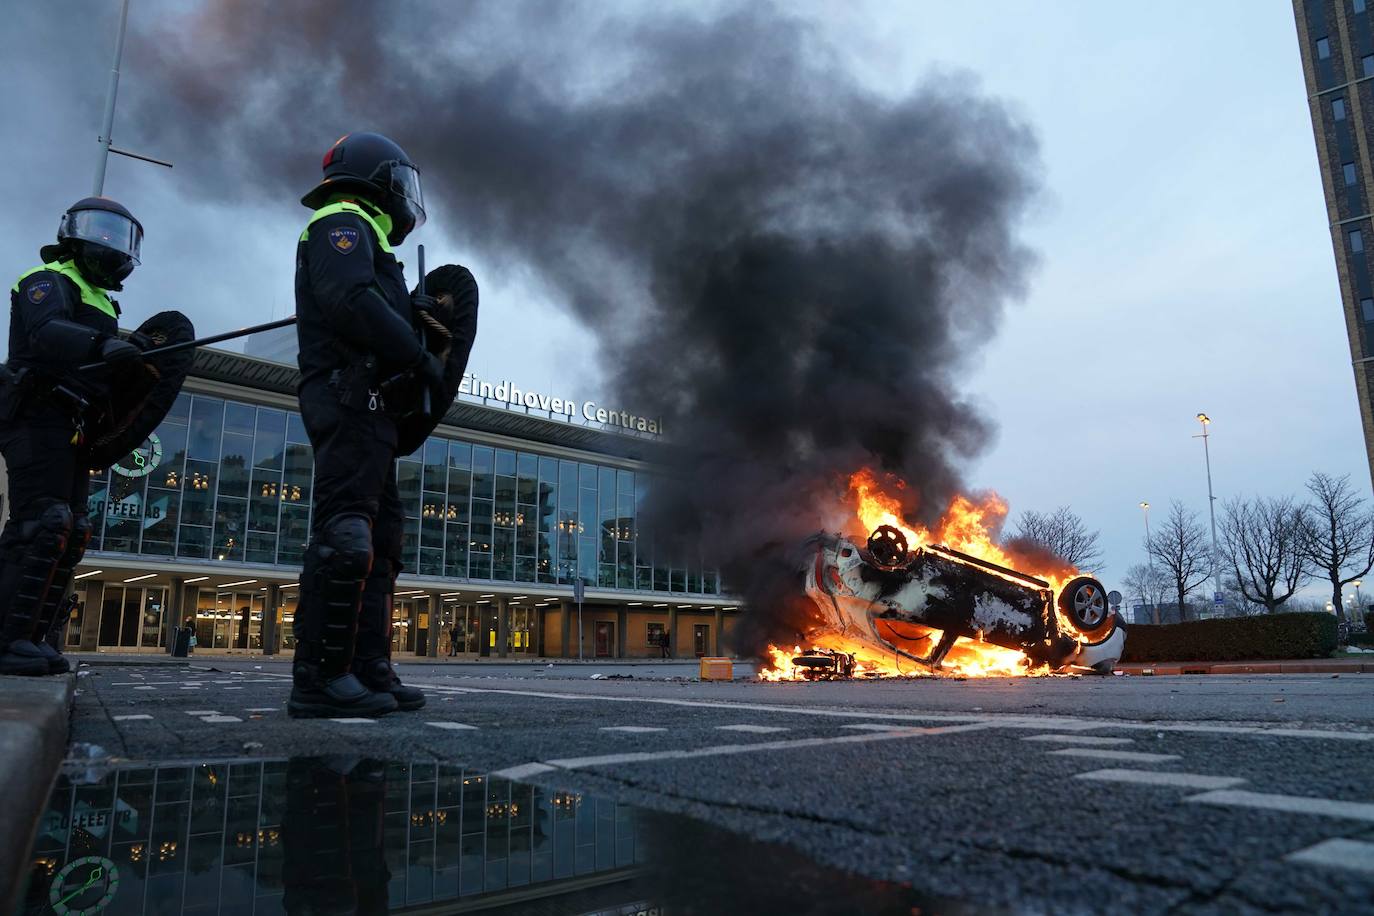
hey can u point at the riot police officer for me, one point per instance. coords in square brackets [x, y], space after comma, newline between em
[363, 365]
[61, 317]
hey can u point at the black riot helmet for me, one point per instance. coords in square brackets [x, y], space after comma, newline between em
[379, 171]
[102, 237]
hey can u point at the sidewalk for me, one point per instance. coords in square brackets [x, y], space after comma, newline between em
[34, 716]
[1296, 666]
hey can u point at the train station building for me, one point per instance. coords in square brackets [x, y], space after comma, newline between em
[514, 497]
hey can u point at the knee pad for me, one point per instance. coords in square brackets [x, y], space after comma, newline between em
[346, 546]
[82, 527]
[47, 532]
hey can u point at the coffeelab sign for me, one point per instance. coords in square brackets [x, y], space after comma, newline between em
[141, 462]
[511, 395]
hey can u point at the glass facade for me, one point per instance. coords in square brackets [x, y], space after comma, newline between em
[231, 481]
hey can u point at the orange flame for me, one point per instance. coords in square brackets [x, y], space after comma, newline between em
[969, 525]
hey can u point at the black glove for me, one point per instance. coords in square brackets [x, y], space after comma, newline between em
[430, 369]
[142, 341]
[421, 302]
[118, 352]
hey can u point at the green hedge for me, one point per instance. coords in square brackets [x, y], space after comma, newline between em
[1233, 639]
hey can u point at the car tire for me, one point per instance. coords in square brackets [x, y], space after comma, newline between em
[1084, 602]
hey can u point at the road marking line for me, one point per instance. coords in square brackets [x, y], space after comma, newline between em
[145, 688]
[752, 729]
[220, 719]
[999, 720]
[1245, 730]
[576, 763]
[263, 709]
[1123, 756]
[1292, 804]
[129, 718]
[1156, 778]
[523, 771]
[202, 712]
[1354, 855]
[452, 726]
[631, 729]
[187, 688]
[875, 727]
[1085, 740]
[354, 721]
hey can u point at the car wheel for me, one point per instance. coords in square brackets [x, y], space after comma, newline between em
[887, 546]
[1084, 602]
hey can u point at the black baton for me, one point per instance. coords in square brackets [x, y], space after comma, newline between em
[425, 399]
[204, 341]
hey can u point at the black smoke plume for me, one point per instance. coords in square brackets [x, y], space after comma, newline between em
[787, 266]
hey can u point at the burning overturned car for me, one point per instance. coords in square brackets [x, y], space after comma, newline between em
[885, 601]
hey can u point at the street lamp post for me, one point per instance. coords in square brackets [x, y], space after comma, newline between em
[107, 119]
[1211, 502]
[1149, 564]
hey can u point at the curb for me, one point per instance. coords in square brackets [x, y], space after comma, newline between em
[34, 718]
[1310, 667]
[100, 658]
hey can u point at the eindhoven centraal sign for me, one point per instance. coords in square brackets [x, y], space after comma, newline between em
[512, 395]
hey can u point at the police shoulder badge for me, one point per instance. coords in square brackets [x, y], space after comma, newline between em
[38, 290]
[344, 239]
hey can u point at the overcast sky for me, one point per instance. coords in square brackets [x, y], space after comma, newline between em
[1185, 262]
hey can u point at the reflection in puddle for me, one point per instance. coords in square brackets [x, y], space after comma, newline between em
[347, 835]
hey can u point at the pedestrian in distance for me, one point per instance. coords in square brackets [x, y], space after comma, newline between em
[379, 366]
[74, 396]
[453, 640]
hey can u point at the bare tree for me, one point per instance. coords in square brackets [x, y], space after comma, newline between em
[1338, 538]
[1146, 581]
[1262, 541]
[1064, 534]
[1181, 549]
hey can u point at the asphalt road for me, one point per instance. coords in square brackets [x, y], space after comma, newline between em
[1125, 794]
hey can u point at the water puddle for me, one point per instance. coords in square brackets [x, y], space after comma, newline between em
[351, 835]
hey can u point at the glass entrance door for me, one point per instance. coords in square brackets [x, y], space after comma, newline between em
[520, 639]
[402, 632]
[229, 621]
[605, 639]
[131, 618]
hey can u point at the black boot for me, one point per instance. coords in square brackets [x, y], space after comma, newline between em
[48, 634]
[26, 581]
[24, 658]
[316, 695]
[378, 675]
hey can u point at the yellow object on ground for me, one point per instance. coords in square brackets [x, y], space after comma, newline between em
[717, 669]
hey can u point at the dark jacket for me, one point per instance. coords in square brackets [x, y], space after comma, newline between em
[351, 301]
[52, 331]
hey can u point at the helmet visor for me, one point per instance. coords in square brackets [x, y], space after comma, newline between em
[405, 184]
[101, 227]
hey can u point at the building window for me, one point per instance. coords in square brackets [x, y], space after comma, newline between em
[1348, 169]
[1338, 109]
[1358, 6]
[1323, 49]
[1356, 240]
[1367, 309]
[1368, 63]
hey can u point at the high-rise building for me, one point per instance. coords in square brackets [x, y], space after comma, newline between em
[1337, 42]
